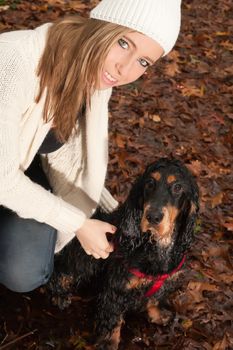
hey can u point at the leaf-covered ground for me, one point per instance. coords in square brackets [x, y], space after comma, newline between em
[182, 108]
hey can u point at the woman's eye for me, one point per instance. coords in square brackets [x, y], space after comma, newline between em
[123, 43]
[177, 188]
[143, 63]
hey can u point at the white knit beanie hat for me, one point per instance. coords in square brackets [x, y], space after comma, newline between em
[158, 19]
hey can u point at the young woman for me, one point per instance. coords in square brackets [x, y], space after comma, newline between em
[55, 83]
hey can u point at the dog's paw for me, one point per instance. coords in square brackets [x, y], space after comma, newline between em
[111, 340]
[159, 316]
[165, 317]
[106, 345]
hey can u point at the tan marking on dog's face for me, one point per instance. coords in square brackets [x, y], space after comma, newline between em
[163, 231]
[171, 178]
[144, 222]
[156, 176]
[166, 226]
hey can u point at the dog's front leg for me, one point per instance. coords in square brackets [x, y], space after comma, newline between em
[111, 340]
[109, 321]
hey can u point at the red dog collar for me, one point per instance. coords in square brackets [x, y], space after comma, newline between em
[159, 281]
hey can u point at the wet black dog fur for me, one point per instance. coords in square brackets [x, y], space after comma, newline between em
[155, 229]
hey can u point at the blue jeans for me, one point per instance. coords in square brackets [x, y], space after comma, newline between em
[26, 246]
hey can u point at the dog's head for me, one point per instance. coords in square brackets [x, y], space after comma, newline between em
[170, 199]
[167, 198]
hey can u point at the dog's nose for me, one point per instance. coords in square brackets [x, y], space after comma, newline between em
[154, 217]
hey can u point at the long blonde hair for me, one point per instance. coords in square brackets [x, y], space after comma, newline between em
[70, 66]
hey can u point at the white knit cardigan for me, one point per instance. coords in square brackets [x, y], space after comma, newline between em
[76, 171]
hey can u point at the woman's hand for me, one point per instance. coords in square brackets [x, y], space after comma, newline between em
[92, 237]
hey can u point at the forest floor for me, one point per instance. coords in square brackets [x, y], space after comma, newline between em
[181, 108]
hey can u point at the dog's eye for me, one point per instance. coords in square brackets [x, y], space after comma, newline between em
[177, 188]
[150, 184]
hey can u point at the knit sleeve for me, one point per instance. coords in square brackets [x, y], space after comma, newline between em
[107, 202]
[17, 191]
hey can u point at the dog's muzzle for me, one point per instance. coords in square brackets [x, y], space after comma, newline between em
[159, 223]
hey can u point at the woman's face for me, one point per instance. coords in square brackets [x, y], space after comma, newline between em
[128, 59]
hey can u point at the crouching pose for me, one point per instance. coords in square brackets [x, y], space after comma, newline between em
[55, 84]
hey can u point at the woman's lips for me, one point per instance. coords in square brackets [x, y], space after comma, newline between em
[109, 79]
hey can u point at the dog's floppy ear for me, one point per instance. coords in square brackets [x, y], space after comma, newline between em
[186, 220]
[193, 186]
[136, 194]
[131, 213]
[187, 225]
[195, 193]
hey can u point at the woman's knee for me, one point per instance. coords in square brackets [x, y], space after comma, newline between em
[25, 269]
[19, 278]
[26, 253]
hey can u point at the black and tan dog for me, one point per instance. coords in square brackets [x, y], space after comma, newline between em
[155, 229]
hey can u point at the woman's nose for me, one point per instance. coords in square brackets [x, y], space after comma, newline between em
[123, 66]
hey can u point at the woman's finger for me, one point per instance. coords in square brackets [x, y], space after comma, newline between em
[104, 254]
[96, 256]
[110, 248]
